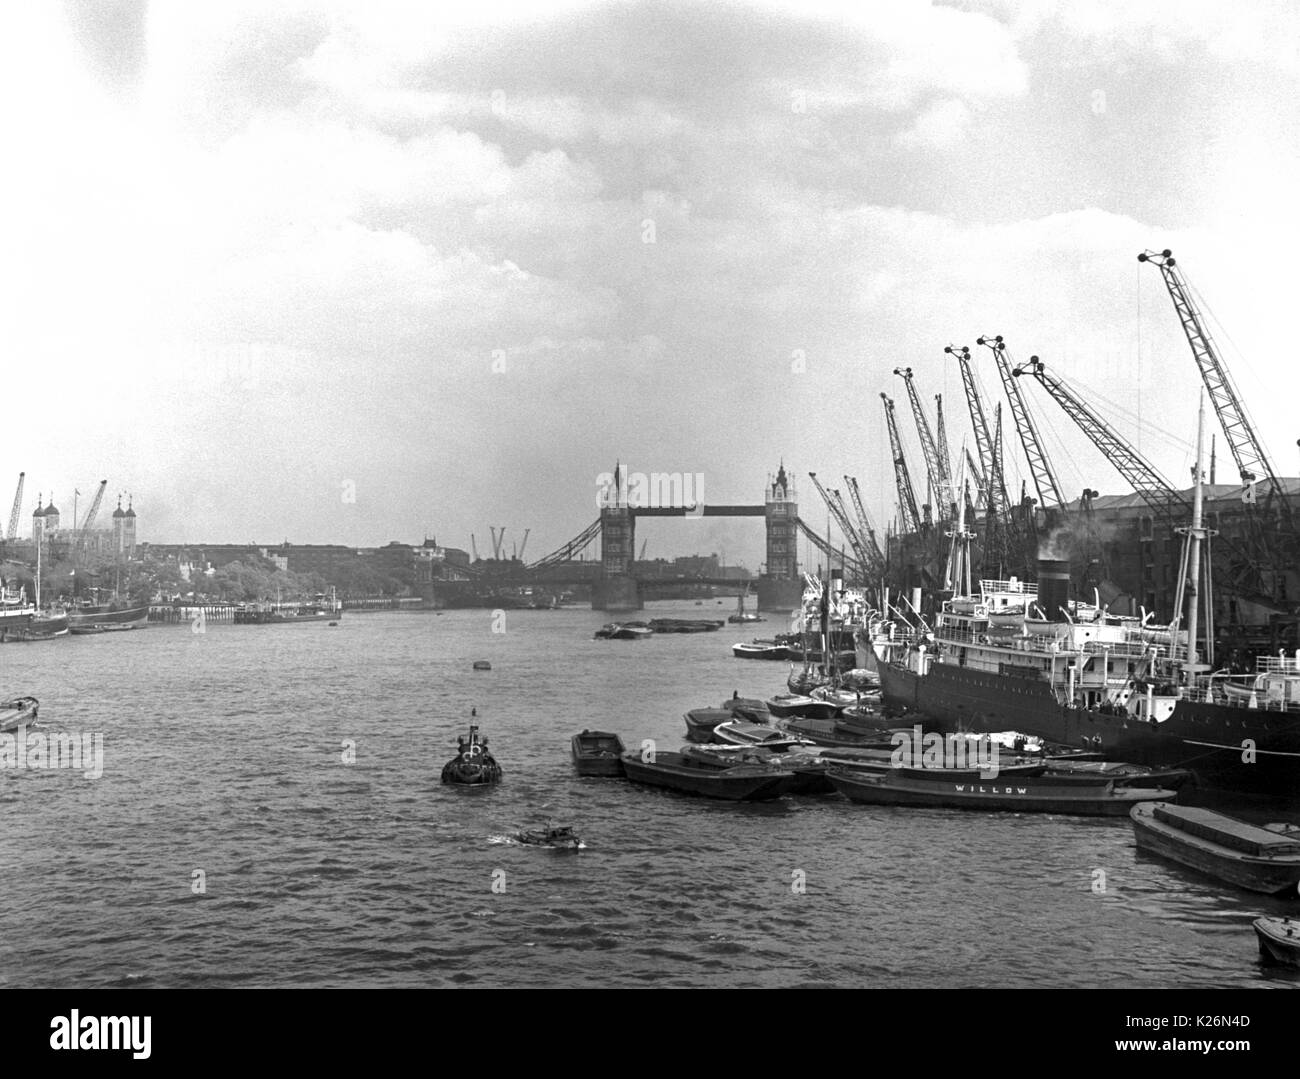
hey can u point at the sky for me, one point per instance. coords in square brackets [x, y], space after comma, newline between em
[350, 273]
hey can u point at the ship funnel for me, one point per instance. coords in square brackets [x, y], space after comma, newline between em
[1053, 588]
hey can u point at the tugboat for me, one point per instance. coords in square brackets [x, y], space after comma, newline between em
[473, 765]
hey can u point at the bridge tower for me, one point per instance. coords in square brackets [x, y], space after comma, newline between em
[617, 589]
[780, 588]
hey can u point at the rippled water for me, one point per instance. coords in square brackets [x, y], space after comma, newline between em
[223, 754]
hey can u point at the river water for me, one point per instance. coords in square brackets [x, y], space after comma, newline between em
[228, 843]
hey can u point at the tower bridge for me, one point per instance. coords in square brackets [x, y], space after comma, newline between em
[780, 587]
[617, 588]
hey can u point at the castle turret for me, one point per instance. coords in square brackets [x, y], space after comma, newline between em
[128, 530]
[38, 521]
[118, 518]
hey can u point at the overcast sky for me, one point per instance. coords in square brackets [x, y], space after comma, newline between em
[263, 256]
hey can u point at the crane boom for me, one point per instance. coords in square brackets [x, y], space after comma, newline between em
[941, 444]
[859, 545]
[12, 533]
[835, 504]
[902, 478]
[853, 567]
[980, 423]
[1170, 505]
[1049, 491]
[865, 530]
[90, 517]
[1156, 491]
[941, 489]
[1247, 451]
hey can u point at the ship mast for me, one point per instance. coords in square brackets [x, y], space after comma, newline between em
[957, 578]
[1189, 583]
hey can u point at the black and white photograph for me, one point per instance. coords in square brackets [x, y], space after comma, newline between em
[651, 494]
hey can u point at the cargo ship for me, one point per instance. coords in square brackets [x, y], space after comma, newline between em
[1022, 657]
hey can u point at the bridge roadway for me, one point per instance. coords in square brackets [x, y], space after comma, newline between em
[699, 511]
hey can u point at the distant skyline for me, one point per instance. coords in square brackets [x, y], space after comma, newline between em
[343, 273]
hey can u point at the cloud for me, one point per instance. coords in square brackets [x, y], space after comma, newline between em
[348, 237]
[943, 124]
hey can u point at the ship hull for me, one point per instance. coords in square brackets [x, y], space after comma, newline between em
[85, 619]
[1227, 747]
[15, 619]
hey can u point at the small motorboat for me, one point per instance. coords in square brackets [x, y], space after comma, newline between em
[482, 665]
[606, 631]
[783, 705]
[837, 695]
[805, 772]
[557, 837]
[598, 753]
[1279, 940]
[749, 708]
[759, 649]
[473, 765]
[737, 732]
[18, 712]
[831, 732]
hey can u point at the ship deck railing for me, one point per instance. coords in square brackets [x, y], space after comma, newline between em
[1282, 664]
[1018, 588]
[1215, 695]
[1131, 649]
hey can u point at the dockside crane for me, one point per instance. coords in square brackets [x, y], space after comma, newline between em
[1049, 491]
[979, 422]
[835, 504]
[875, 555]
[940, 487]
[852, 567]
[12, 533]
[1247, 450]
[907, 507]
[997, 526]
[1157, 492]
[941, 444]
[84, 532]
